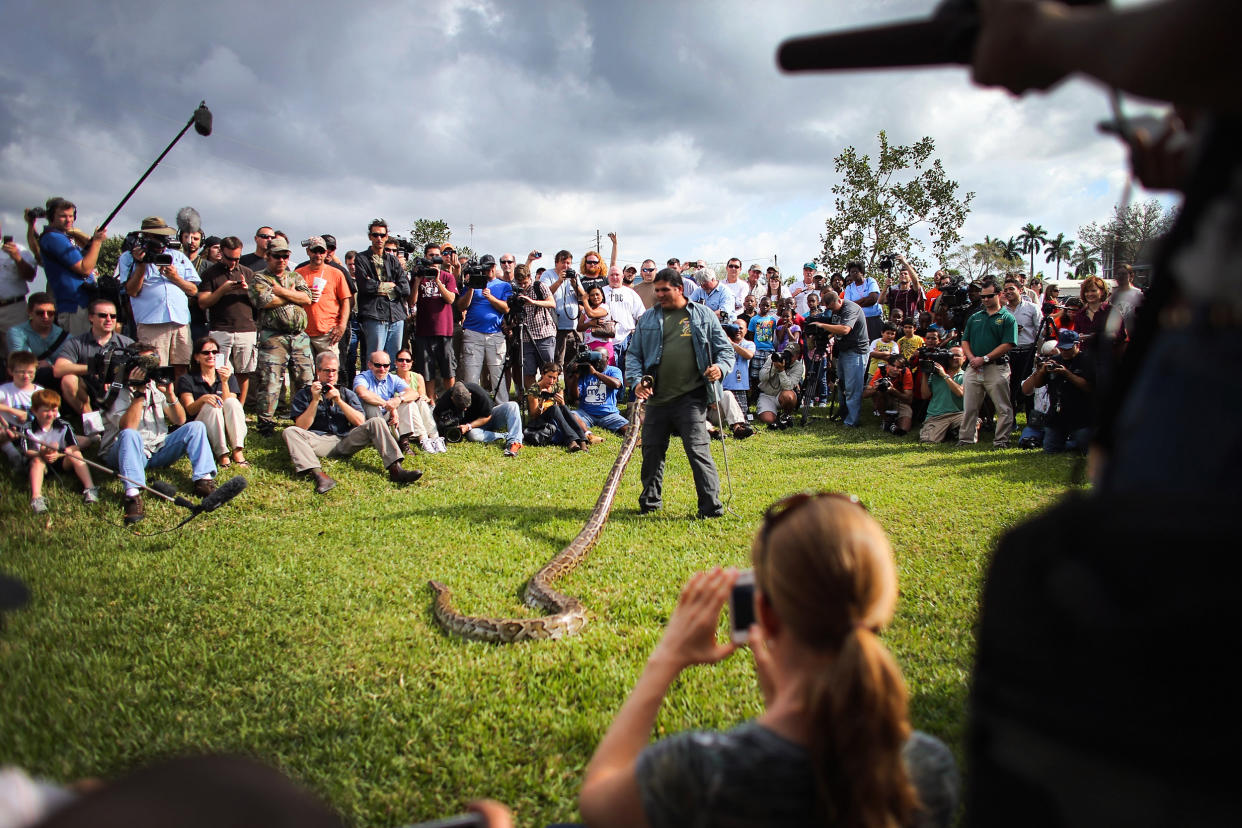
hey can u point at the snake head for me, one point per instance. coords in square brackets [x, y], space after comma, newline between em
[437, 587]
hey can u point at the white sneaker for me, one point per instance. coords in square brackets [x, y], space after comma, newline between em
[427, 444]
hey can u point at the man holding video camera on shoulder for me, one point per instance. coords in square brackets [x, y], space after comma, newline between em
[136, 435]
[943, 386]
[1070, 378]
[160, 282]
[433, 292]
[78, 361]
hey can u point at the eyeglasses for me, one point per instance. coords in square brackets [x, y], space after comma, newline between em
[381, 364]
[378, 235]
[278, 255]
[329, 370]
[268, 236]
[231, 259]
[733, 267]
[592, 261]
[48, 313]
[986, 295]
[404, 359]
[448, 251]
[786, 505]
[506, 261]
[648, 269]
[106, 315]
[208, 353]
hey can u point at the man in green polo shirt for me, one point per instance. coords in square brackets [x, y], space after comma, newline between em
[682, 346]
[986, 340]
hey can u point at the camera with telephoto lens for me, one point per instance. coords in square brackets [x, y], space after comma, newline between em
[154, 247]
[883, 384]
[33, 213]
[928, 356]
[783, 358]
[886, 262]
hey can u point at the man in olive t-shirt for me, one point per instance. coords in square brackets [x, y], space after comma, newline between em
[682, 346]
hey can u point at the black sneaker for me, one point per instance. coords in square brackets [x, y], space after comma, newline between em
[265, 428]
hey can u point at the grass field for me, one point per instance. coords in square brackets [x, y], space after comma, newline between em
[297, 628]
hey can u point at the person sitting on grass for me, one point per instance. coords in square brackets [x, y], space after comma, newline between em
[386, 395]
[328, 422]
[136, 435]
[47, 441]
[548, 415]
[833, 746]
[779, 381]
[892, 390]
[596, 396]
[424, 421]
[211, 395]
[468, 408]
[15, 402]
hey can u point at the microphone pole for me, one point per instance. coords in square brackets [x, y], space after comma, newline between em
[200, 120]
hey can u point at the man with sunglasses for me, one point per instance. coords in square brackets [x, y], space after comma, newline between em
[258, 259]
[160, 294]
[40, 335]
[988, 337]
[735, 284]
[383, 292]
[73, 363]
[645, 285]
[282, 296]
[386, 395]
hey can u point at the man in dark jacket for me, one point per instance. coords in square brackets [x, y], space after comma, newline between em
[383, 293]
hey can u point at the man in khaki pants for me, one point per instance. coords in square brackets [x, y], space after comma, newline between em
[328, 422]
[989, 335]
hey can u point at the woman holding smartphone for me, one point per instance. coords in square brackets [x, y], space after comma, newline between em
[833, 746]
[209, 393]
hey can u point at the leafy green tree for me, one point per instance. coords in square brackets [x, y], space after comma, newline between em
[878, 206]
[436, 230]
[1059, 250]
[109, 255]
[1031, 239]
[1121, 239]
[1085, 261]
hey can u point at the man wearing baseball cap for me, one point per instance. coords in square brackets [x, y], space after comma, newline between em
[328, 312]
[281, 296]
[160, 294]
[1070, 379]
[799, 292]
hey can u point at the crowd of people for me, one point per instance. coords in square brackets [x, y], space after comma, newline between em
[406, 353]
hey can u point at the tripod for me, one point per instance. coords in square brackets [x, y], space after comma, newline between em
[821, 368]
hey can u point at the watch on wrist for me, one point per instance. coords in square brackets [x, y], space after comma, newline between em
[987, 360]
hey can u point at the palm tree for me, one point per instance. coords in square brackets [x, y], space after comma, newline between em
[1085, 260]
[1032, 239]
[1010, 250]
[1058, 250]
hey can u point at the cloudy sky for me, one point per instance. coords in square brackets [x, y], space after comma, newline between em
[538, 122]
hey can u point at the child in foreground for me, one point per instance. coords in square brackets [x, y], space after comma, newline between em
[48, 440]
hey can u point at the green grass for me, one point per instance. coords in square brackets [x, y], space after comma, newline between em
[297, 628]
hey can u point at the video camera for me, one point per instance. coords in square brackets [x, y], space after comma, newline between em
[33, 213]
[476, 277]
[886, 262]
[448, 425]
[589, 356]
[928, 356]
[955, 294]
[154, 247]
[404, 245]
[427, 267]
[113, 369]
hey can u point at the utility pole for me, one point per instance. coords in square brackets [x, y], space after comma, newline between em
[598, 250]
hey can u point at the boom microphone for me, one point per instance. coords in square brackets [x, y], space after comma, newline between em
[202, 119]
[946, 38]
[227, 490]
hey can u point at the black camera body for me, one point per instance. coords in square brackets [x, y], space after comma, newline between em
[955, 294]
[154, 248]
[404, 245]
[883, 384]
[428, 267]
[475, 276]
[33, 213]
[886, 262]
[928, 356]
[448, 424]
[783, 358]
[111, 369]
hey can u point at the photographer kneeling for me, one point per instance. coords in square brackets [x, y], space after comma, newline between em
[1070, 379]
[779, 381]
[944, 388]
[549, 421]
[136, 437]
[893, 389]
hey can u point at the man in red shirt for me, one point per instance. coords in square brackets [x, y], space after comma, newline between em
[893, 390]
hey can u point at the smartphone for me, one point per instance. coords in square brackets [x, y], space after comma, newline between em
[537, 254]
[742, 607]
[222, 359]
[8, 239]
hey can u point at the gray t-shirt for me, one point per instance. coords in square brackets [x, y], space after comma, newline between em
[750, 776]
[854, 342]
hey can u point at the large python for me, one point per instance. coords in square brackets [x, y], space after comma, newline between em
[568, 615]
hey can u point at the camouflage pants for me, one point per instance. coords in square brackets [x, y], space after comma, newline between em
[276, 350]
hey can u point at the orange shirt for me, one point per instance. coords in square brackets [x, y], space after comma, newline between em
[324, 315]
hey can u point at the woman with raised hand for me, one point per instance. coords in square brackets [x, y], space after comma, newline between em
[833, 746]
[209, 393]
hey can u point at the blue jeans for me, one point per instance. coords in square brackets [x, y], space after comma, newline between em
[1055, 439]
[126, 454]
[505, 418]
[853, 373]
[612, 421]
[381, 336]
